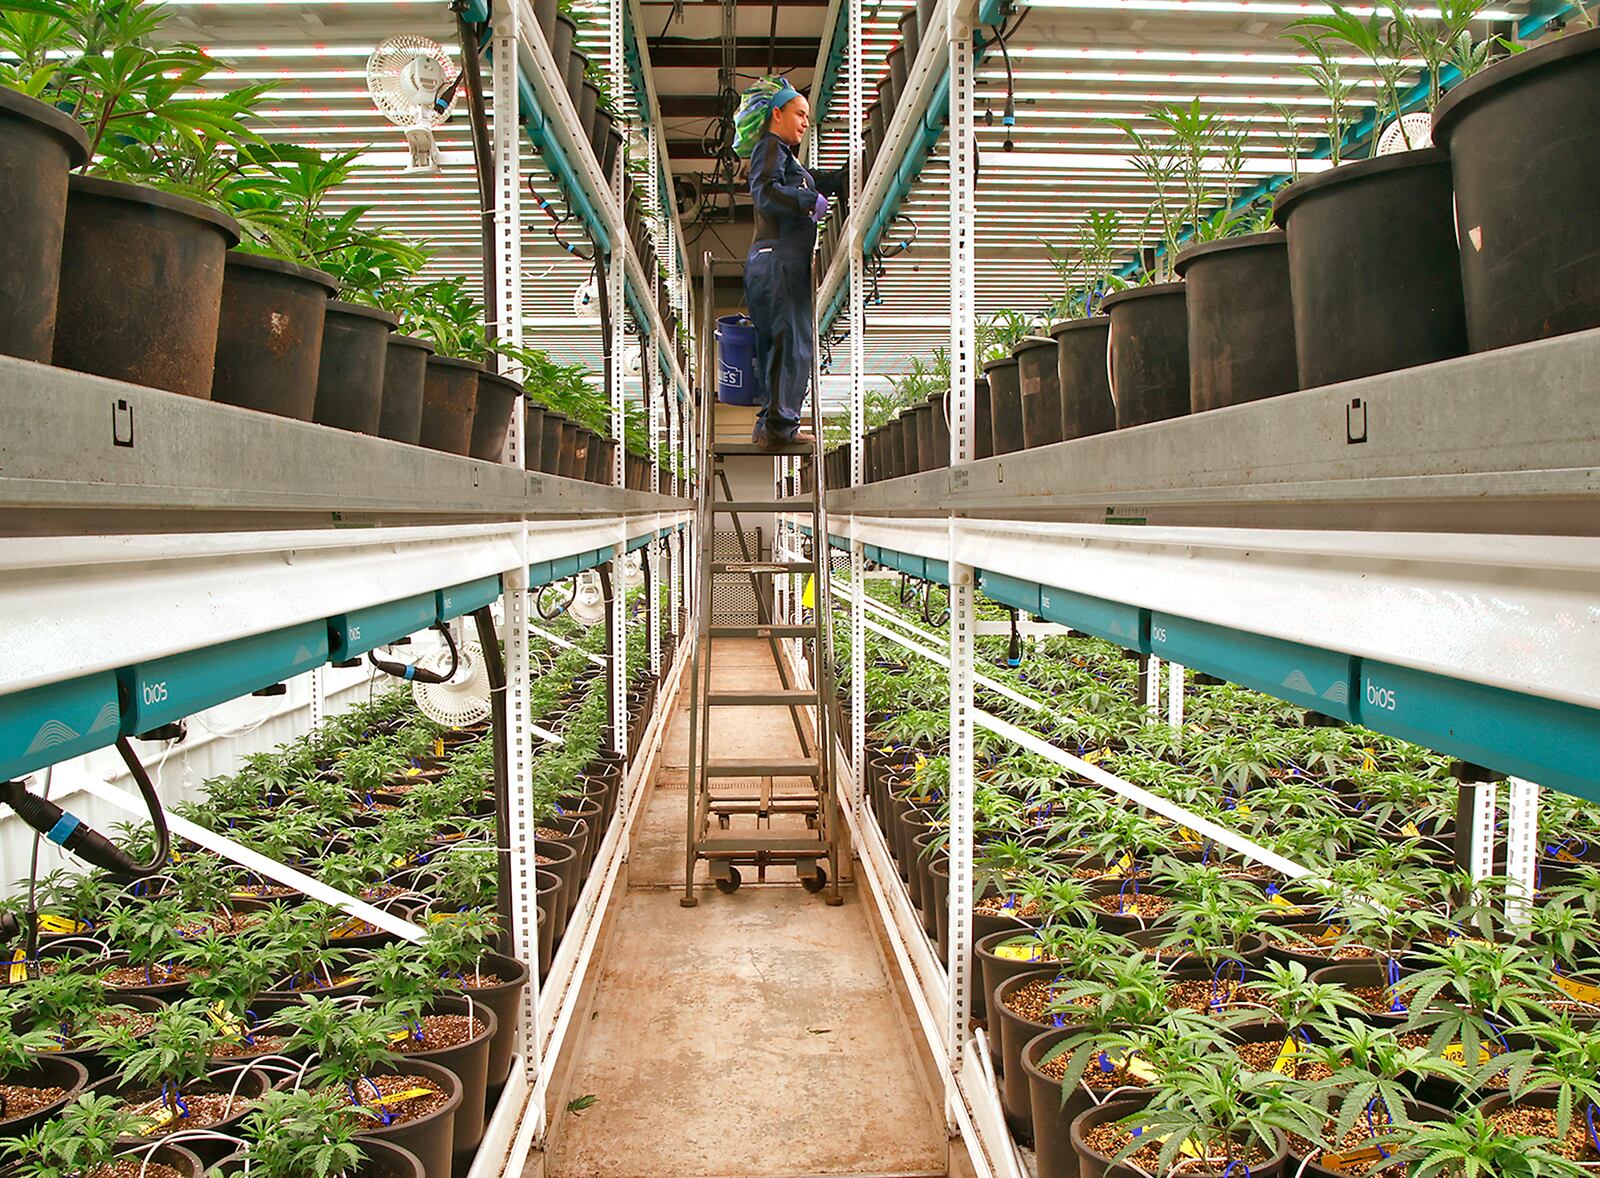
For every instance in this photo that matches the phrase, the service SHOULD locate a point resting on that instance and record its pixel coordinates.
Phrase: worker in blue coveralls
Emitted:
(789, 202)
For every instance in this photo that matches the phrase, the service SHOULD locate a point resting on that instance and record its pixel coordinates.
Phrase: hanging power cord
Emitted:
(69, 832)
(472, 38)
(412, 673)
(557, 222)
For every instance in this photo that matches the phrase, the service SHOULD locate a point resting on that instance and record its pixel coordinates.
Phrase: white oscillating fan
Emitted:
(1407, 133)
(589, 604)
(633, 569)
(412, 81)
(463, 698)
(585, 296)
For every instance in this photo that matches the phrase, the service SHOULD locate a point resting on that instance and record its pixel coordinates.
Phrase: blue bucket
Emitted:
(736, 361)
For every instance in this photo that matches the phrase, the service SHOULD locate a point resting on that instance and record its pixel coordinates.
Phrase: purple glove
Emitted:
(820, 209)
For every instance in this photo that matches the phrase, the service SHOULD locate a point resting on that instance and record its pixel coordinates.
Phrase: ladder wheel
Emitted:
(815, 883)
(730, 885)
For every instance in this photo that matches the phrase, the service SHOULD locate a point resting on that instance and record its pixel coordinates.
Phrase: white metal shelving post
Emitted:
(506, 131)
(616, 277)
(858, 418)
(962, 364)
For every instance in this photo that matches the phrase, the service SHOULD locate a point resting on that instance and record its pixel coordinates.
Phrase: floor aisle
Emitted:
(754, 1035)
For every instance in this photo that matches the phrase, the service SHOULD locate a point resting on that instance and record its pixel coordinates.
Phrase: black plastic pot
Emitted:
(933, 433)
(491, 419)
(532, 435)
(269, 339)
(550, 441)
(599, 132)
(469, 1062)
(1373, 267)
(1364, 974)
(249, 1088)
(1015, 1032)
(899, 63)
(601, 460)
(1052, 1113)
(544, 15)
(38, 146)
(577, 64)
(1241, 320)
(993, 970)
(1524, 144)
(910, 34)
(405, 373)
(1005, 405)
(1149, 350)
(1082, 368)
(910, 458)
(611, 147)
(44, 1071)
(430, 1138)
(588, 106)
(983, 427)
(355, 355)
(574, 450)
(1039, 377)
(380, 1159)
(141, 285)
(449, 402)
(505, 1000)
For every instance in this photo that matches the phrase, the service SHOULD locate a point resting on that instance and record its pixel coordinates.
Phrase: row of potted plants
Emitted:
(129, 194)
(1157, 1004)
(1373, 265)
(196, 1009)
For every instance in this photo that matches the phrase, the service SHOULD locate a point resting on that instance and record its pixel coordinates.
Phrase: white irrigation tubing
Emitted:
(259, 863)
(942, 660)
(597, 660)
(1201, 826)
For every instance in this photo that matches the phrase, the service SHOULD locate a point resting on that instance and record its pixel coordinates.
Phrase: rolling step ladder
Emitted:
(734, 802)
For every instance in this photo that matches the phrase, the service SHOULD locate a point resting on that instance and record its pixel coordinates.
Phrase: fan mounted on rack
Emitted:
(1407, 133)
(413, 82)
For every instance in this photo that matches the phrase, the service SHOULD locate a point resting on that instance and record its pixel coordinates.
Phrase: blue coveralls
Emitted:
(777, 280)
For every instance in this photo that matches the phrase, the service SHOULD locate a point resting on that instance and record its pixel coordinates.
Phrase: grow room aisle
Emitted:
(755, 1034)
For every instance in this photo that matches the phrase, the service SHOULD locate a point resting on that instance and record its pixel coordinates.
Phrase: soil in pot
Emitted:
(126, 250)
(1534, 1115)
(405, 371)
(269, 338)
(1086, 405)
(449, 400)
(1039, 376)
(220, 1101)
(1097, 1138)
(1005, 405)
(491, 421)
(1524, 144)
(1373, 267)
(1149, 348)
(31, 1095)
(1241, 320)
(1352, 1147)
(497, 983)
(350, 376)
(38, 145)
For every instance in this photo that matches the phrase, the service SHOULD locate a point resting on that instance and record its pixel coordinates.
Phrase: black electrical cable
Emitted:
(412, 673)
(70, 833)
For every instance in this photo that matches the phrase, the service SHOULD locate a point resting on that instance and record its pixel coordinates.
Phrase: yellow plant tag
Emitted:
(1369, 760)
(1566, 856)
(1017, 952)
(49, 922)
(412, 771)
(1135, 1065)
(1094, 756)
(438, 746)
(1582, 991)
(19, 966)
(1457, 1053)
(1118, 869)
(1354, 1157)
(1284, 1064)
(1276, 900)
(436, 917)
(402, 1096)
(160, 1120)
(354, 926)
(1241, 808)
(229, 1024)
(1411, 831)
(1330, 934)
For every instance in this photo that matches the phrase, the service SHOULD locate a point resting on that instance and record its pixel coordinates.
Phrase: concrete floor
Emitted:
(757, 1034)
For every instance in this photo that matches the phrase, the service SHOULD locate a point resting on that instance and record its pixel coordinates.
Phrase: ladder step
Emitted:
(735, 506)
(763, 631)
(784, 451)
(723, 848)
(763, 566)
(759, 699)
(795, 767)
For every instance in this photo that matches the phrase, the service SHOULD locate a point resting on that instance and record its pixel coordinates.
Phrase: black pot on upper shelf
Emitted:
(1149, 350)
(1039, 380)
(544, 15)
(1241, 320)
(1005, 404)
(1524, 144)
(1082, 370)
(532, 435)
(910, 34)
(899, 63)
(1373, 267)
(550, 441)
(588, 108)
(449, 401)
(126, 252)
(933, 444)
(983, 414)
(599, 132)
(405, 372)
(43, 1072)
(892, 82)
(491, 417)
(269, 338)
(351, 375)
(39, 145)
(577, 67)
